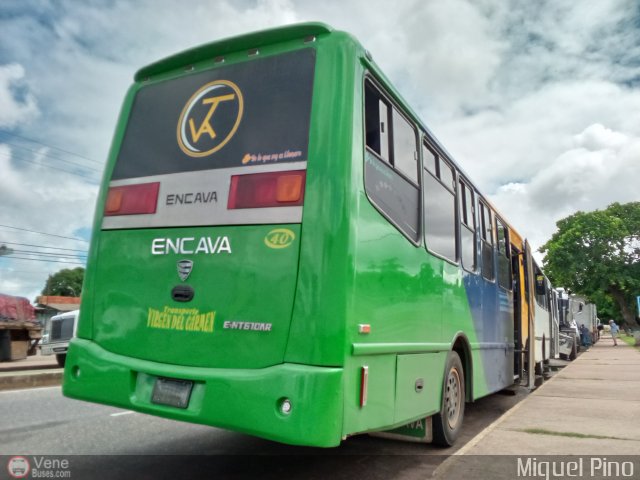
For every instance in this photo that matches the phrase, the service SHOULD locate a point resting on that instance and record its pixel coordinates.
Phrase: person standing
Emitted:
(600, 328)
(584, 332)
(614, 331)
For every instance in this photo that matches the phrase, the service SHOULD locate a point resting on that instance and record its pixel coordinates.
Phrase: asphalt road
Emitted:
(105, 442)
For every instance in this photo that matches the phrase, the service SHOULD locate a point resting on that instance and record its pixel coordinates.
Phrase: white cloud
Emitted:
(602, 168)
(17, 103)
(440, 55)
(598, 137)
(521, 138)
(31, 188)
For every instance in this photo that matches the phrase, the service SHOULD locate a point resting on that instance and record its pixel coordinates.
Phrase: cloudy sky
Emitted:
(538, 101)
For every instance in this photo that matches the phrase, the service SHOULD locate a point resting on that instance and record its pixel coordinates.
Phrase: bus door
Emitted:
(516, 271)
(529, 299)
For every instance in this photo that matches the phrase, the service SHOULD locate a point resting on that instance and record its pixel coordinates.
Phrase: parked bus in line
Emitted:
(570, 338)
(546, 321)
(281, 247)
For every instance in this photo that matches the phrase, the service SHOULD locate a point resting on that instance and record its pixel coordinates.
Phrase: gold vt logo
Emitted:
(210, 118)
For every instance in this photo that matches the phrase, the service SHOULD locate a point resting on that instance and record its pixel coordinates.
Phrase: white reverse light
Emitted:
(285, 406)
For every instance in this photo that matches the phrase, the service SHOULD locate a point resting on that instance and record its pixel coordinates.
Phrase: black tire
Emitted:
(61, 358)
(574, 352)
(448, 423)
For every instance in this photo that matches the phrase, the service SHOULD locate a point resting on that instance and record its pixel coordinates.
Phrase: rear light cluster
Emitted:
(272, 189)
(258, 190)
(132, 199)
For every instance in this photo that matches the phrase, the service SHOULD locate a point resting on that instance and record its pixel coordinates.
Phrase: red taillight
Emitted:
(271, 189)
(132, 199)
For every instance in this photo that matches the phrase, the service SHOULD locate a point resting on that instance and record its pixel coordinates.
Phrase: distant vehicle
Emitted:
(567, 346)
(546, 326)
(575, 311)
(58, 331)
(584, 313)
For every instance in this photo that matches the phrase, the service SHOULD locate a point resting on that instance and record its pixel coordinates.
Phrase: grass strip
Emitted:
(629, 340)
(542, 431)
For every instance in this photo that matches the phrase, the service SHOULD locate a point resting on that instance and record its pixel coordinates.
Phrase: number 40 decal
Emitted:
(279, 238)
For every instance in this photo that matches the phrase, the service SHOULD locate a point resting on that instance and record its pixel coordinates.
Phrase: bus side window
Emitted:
(405, 156)
(430, 161)
(467, 227)
(486, 234)
(376, 122)
(391, 167)
(540, 287)
(504, 265)
(439, 205)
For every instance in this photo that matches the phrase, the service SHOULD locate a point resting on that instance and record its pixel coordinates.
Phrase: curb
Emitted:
(33, 379)
(15, 367)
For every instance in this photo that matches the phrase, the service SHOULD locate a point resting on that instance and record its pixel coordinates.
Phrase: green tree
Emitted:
(597, 254)
(66, 282)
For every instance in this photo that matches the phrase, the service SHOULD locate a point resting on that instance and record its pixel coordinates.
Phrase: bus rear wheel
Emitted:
(448, 423)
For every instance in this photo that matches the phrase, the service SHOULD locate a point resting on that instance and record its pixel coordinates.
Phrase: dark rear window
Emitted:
(254, 113)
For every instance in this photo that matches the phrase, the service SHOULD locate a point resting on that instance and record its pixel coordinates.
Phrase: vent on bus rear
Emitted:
(271, 189)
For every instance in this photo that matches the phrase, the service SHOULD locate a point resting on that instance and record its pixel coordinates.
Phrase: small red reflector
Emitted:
(364, 328)
(270, 189)
(132, 199)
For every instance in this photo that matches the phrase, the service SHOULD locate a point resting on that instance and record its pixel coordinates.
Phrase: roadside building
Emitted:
(49, 305)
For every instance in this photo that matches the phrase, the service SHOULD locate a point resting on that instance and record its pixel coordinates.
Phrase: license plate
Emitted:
(175, 393)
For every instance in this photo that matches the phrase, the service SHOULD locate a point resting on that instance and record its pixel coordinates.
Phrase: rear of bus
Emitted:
(193, 267)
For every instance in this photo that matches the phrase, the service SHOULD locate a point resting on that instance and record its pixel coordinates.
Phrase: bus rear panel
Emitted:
(195, 256)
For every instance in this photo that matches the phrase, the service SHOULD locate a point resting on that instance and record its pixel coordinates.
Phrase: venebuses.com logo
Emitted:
(18, 467)
(39, 467)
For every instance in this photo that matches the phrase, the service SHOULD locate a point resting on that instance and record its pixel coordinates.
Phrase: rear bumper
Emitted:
(54, 348)
(236, 399)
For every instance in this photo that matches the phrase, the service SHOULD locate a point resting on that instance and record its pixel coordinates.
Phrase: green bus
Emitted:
(282, 248)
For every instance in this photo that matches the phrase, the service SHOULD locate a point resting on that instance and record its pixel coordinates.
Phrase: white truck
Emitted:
(585, 313)
(59, 330)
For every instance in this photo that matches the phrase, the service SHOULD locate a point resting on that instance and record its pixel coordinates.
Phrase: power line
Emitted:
(44, 233)
(43, 260)
(43, 246)
(33, 272)
(48, 155)
(47, 166)
(48, 254)
(6, 132)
